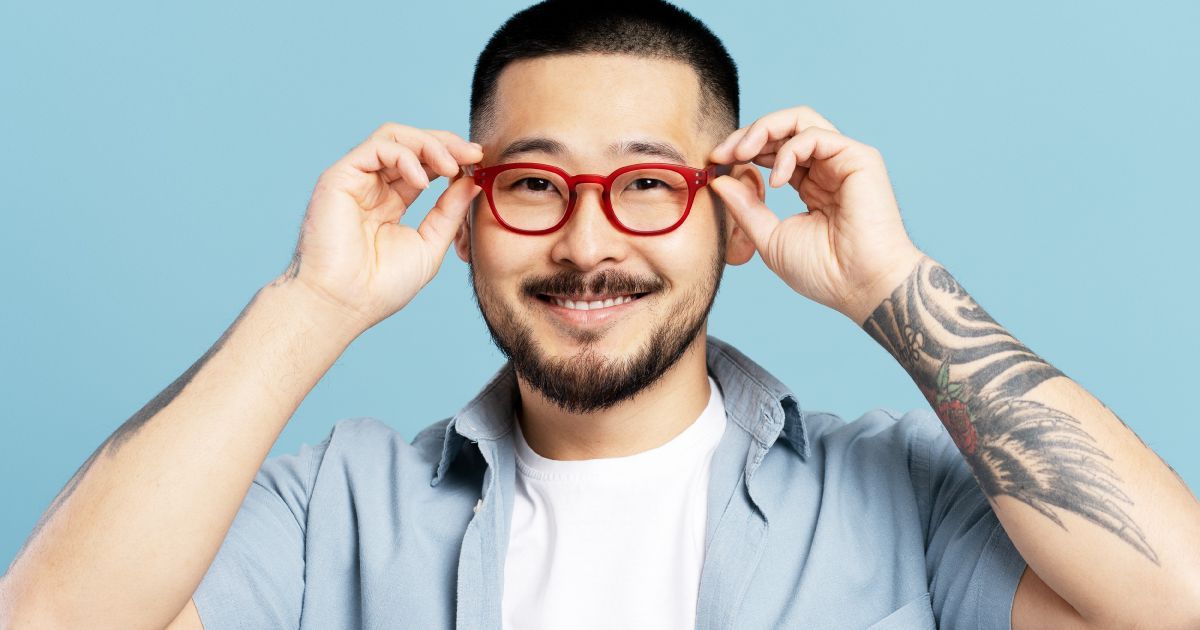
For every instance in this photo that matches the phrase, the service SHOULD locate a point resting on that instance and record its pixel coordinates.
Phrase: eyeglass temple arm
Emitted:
(722, 169)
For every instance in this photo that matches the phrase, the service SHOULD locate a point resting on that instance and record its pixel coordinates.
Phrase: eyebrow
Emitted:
(654, 148)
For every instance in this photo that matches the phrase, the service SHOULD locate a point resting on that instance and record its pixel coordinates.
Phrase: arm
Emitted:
(133, 532)
(1096, 513)
(1106, 523)
(131, 536)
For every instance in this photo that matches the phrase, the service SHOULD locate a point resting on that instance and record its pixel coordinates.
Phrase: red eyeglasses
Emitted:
(644, 199)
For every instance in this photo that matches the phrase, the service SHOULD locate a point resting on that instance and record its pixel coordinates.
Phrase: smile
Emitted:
(589, 309)
(583, 305)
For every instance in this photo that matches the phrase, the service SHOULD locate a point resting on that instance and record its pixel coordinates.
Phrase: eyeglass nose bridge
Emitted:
(605, 201)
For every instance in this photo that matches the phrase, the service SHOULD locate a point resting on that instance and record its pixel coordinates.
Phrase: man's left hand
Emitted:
(850, 249)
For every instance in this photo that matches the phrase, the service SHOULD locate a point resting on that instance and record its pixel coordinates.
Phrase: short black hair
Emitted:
(647, 28)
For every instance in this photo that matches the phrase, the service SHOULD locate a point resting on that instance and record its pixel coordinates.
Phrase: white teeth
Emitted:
(587, 306)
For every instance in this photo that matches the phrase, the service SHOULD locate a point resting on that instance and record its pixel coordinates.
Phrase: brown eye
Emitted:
(646, 183)
(540, 185)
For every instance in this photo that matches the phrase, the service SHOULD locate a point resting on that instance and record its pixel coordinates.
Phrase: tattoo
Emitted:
(1015, 446)
(1178, 477)
(131, 427)
(293, 269)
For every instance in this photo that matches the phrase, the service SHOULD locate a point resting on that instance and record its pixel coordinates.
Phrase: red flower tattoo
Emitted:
(953, 410)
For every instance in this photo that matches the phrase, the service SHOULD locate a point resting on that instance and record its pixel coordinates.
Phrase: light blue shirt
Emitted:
(812, 522)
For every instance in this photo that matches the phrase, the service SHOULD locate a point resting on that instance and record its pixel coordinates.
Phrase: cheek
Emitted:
(685, 257)
(504, 257)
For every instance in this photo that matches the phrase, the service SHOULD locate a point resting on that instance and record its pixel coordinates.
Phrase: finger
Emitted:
(755, 218)
(766, 134)
(815, 143)
(798, 177)
(441, 223)
(722, 152)
(451, 151)
(432, 150)
(463, 151)
(377, 155)
(409, 192)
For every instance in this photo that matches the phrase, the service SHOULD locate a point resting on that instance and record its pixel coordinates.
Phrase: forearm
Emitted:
(132, 533)
(1105, 522)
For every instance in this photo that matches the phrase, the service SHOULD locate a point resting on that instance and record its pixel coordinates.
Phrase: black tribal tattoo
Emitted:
(1015, 446)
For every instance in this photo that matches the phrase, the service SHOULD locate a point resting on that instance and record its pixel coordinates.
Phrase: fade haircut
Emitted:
(646, 28)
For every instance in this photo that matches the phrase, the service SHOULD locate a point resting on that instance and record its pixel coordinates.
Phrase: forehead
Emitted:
(589, 101)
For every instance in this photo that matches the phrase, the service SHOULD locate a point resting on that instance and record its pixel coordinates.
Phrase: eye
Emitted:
(647, 183)
(540, 184)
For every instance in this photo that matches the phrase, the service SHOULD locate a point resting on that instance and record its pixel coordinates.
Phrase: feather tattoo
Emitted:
(1015, 446)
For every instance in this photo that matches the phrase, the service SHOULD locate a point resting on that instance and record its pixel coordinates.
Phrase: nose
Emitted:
(588, 240)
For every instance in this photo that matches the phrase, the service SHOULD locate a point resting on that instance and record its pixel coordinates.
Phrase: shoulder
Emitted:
(881, 427)
(371, 441)
(883, 440)
(359, 450)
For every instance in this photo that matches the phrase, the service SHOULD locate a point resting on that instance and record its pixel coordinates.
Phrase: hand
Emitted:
(850, 249)
(352, 251)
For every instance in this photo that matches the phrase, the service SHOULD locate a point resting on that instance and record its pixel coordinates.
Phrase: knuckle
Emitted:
(394, 128)
(443, 134)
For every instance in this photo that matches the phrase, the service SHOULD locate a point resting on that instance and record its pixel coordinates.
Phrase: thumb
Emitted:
(441, 223)
(754, 217)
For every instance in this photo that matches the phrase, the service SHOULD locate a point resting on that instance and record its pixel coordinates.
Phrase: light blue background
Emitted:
(156, 162)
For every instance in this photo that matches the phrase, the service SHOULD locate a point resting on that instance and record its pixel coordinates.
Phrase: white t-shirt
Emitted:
(614, 542)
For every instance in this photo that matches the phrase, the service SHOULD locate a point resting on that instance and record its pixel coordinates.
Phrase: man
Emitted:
(623, 469)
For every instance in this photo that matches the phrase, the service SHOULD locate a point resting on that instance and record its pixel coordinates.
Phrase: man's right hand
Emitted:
(131, 536)
(353, 252)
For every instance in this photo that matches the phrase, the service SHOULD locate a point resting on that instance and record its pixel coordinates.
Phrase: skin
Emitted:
(586, 102)
(1109, 538)
(1106, 526)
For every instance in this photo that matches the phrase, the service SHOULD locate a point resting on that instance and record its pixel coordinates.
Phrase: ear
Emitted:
(738, 247)
(462, 239)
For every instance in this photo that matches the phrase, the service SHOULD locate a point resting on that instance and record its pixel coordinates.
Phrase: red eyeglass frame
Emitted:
(697, 178)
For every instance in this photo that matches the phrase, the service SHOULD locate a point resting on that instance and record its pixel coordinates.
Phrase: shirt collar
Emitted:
(754, 400)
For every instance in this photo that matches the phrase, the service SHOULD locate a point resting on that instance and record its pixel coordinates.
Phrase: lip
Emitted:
(590, 317)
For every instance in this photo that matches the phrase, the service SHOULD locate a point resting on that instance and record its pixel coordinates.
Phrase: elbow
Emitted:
(20, 610)
(1178, 611)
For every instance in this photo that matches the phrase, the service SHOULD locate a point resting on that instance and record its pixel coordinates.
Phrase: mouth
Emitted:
(589, 302)
(588, 310)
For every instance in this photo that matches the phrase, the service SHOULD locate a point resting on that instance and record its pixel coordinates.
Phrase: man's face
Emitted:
(586, 360)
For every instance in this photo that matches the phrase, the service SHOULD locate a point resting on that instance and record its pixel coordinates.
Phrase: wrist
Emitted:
(318, 309)
(870, 297)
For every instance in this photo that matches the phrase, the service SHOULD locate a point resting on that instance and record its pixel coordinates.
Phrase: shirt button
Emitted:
(477, 504)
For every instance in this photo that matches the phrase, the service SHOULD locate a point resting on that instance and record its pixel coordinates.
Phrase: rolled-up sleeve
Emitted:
(257, 577)
(972, 565)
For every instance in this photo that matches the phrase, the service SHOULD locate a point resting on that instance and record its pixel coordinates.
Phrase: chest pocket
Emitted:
(914, 615)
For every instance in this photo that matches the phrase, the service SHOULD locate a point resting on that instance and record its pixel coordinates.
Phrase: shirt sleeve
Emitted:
(972, 565)
(257, 577)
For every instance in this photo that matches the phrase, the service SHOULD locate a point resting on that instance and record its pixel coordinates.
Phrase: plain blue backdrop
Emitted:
(156, 162)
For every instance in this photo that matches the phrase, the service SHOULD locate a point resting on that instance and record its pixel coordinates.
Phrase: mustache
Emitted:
(607, 282)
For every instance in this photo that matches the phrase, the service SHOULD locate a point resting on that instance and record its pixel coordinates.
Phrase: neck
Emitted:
(648, 420)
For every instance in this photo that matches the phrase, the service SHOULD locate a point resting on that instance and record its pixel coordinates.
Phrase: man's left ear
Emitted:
(738, 247)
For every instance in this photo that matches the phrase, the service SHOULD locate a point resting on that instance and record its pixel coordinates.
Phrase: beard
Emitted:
(588, 381)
